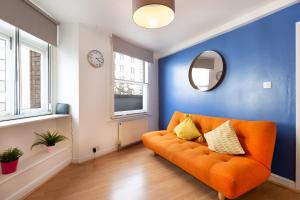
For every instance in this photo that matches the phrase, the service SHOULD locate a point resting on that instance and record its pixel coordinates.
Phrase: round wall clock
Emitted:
(95, 58)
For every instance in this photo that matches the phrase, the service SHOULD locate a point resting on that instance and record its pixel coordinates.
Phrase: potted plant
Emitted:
(9, 160)
(49, 139)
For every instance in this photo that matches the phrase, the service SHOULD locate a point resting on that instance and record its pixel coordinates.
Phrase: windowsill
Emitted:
(16, 122)
(130, 116)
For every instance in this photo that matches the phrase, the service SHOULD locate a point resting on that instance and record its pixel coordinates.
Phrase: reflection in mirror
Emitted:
(207, 71)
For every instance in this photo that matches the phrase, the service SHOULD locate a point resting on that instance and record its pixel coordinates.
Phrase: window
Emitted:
(121, 68)
(24, 74)
(130, 85)
(132, 70)
(3, 61)
(201, 78)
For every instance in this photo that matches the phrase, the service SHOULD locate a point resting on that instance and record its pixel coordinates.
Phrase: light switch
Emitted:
(267, 85)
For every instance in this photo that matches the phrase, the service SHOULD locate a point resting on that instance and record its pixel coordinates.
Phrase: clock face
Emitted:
(95, 58)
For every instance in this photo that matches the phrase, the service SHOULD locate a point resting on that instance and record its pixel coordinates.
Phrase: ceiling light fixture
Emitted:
(153, 13)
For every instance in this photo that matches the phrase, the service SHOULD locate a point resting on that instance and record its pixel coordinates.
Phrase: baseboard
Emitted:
(279, 180)
(129, 145)
(102, 152)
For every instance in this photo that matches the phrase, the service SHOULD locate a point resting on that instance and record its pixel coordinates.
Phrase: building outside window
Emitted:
(130, 85)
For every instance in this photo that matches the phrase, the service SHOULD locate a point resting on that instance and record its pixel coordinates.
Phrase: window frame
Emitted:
(144, 84)
(16, 111)
(8, 64)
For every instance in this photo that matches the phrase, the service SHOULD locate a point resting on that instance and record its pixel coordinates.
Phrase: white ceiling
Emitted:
(193, 17)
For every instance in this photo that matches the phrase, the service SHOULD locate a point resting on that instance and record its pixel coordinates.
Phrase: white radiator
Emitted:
(131, 131)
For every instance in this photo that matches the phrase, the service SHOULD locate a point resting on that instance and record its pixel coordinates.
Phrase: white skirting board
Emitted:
(32, 174)
(102, 152)
(283, 181)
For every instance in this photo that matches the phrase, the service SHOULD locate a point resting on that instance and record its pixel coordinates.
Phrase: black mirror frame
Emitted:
(221, 78)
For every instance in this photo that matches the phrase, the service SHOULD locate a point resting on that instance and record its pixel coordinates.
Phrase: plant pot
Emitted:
(9, 167)
(50, 149)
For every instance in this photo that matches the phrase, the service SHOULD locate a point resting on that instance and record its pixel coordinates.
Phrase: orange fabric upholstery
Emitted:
(230, 175)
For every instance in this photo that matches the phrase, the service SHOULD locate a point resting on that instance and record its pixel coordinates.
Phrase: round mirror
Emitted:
(207, 71)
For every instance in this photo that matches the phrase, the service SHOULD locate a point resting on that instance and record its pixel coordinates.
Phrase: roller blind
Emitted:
(206, 63)
(124, 47)
(27, 17)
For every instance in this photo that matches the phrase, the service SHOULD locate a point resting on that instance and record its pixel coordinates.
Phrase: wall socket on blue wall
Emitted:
(267, 85)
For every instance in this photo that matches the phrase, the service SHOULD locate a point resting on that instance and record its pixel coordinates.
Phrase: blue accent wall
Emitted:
(261, 51)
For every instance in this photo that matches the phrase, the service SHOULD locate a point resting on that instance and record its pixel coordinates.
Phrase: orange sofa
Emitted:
(230, 175)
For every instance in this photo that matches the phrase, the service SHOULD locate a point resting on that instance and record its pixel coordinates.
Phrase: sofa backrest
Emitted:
(256, 137)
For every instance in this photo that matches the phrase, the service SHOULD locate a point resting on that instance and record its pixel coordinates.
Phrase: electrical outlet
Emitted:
(96, 149)
(267, 85)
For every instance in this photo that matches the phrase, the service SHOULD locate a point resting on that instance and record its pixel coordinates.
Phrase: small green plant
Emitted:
(48, 138)
(10, 154)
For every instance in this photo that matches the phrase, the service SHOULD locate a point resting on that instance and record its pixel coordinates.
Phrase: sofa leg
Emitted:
(155, 154)
(221, 196)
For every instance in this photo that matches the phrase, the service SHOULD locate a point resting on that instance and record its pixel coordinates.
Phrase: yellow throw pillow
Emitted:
(187, 130)
(223, 139)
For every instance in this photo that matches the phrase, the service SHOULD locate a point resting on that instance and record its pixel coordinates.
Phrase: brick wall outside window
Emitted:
(35, 79)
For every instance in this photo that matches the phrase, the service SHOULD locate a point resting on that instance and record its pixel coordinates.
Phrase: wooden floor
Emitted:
(136, 174)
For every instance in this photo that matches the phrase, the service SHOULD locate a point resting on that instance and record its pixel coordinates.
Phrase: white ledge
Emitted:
(27, 164)
(15, 122)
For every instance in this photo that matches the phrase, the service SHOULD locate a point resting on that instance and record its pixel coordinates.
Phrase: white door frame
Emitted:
(297, 106)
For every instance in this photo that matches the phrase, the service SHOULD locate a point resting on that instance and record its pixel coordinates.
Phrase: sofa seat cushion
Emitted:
(231, 175)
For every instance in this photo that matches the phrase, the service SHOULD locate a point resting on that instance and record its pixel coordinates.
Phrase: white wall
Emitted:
(66, 73)
(96, 126)
(95, 91)
(91, 107)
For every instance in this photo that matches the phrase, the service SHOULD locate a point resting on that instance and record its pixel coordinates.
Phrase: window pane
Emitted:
(6, 69)
(2, 43)
(201, 77)
(2, 64)
(128, 96)
(34, 74)
(2, 87)
(130, 84)
(128, 68)
(2, 107)
(2, 96)
(147, 72)
(2, 53)
(2, 75)
(31, 78)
